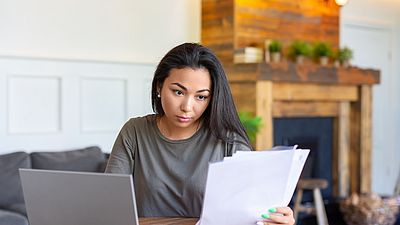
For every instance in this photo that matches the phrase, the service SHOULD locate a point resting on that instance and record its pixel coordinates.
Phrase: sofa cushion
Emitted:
(87, 159)
(18, 208)
(10, 184)
(11, 218)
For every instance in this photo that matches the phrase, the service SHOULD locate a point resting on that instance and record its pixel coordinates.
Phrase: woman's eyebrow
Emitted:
(181, 86)
(202, 90)
(184, 88)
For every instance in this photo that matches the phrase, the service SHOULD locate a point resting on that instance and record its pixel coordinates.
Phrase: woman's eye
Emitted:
(178, 92)
(202, 97)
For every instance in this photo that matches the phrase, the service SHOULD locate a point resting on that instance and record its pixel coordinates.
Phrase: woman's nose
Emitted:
(186, 105)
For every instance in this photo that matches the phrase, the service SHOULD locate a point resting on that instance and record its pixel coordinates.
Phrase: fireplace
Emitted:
(289, 91)
(316, 134)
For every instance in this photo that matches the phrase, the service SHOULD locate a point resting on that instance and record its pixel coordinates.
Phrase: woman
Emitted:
(195, 122)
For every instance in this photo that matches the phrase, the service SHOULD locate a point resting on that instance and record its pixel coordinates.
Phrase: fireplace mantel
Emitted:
(287, 71)
(289, 90)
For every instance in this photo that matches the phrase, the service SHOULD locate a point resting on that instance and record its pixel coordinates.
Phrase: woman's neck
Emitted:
(172, 132)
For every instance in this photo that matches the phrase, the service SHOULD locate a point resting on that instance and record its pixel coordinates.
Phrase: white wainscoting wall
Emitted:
(54, 105)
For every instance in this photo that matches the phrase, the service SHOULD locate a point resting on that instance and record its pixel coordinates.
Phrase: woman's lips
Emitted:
(183, 119)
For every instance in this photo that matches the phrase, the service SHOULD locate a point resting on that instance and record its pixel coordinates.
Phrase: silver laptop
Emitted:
(78, 198)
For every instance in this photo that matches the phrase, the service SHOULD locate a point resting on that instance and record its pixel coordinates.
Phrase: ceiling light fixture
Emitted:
(341, 2)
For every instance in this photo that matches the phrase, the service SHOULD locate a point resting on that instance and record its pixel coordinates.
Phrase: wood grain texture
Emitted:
(231, 24)
(217, 27)
(244, 95)
(355, 141)
(365, 138)
(344, 149)
(304, 109)
(264, 101)
(307, 73)
(311, 20)
(315, 92)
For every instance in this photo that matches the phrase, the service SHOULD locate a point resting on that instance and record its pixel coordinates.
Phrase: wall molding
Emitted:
(133, 100)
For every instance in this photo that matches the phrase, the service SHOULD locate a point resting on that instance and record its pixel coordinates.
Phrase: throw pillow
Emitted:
(87, 160)
(10, 184)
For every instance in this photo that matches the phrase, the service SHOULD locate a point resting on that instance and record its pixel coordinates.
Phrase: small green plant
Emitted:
(322, 49)
(299, 48)
(344, 54)
(335, 57)
(275, 46)
(252, 124)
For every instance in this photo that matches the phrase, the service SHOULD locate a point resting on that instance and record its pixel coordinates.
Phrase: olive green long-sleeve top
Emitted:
(169, 175)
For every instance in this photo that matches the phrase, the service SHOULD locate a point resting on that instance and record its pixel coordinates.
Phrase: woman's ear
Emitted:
(159, 87)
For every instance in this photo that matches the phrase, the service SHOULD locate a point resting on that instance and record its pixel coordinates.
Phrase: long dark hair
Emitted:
(221, 116)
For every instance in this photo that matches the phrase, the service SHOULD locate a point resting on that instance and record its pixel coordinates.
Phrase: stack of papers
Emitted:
(244, 186)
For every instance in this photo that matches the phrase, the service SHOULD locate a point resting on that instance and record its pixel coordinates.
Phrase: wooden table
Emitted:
(168, 221)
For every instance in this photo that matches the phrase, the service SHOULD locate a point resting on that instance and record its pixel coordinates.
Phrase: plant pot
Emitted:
(323, 60)
(300, 59)
(336, 63)
(275, 57)
(346, 63)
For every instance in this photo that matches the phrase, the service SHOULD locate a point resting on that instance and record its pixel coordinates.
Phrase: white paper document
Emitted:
(244, 186)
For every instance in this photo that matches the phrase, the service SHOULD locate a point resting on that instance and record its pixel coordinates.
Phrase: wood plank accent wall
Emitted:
(231, 24)
(217, 27)
(285, 20)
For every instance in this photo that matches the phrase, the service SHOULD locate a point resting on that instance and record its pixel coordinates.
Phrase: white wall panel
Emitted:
(33, 104)
(85, 104)
(103, 104)
(375, 45)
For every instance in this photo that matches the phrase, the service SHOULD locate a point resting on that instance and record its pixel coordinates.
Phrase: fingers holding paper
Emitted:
(279, 215)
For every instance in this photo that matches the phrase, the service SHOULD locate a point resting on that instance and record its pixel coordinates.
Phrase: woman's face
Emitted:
(185, 95)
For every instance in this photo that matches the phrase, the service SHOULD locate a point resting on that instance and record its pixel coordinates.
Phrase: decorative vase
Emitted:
(275, 57)
(336, 63)
(300, 59)
(323, 60)
(346, 63)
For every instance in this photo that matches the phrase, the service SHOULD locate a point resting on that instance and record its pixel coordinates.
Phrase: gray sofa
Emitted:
(12, 207)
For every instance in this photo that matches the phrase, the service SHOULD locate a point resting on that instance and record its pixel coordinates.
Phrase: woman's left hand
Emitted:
(280, 215)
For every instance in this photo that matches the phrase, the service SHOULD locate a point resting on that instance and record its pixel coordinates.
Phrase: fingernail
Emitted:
(260, 223)
(272, 210)
(265, 216)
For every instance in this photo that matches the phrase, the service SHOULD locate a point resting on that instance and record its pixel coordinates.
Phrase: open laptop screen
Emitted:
(78, 198)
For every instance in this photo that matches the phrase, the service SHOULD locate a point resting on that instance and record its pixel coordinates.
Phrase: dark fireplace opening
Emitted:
(313, 133)
(316, 134)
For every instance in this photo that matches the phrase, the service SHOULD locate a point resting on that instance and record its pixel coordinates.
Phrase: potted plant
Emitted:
(322, 51)
(252, 124)
(345, 54)
(275, 48)
(335, 57)
(299, 50)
